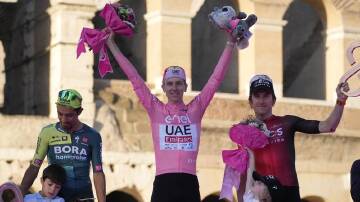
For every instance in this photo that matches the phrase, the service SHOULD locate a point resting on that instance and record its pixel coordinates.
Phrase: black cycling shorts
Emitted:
(292, 194)
(84, 194)
(176, 187)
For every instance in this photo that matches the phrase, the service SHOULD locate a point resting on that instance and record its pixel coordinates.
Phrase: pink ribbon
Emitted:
(96, 39)
(237, 161)
(13, 187)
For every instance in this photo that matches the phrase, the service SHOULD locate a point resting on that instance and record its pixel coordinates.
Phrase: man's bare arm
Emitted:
(29, 178)
(100, 186)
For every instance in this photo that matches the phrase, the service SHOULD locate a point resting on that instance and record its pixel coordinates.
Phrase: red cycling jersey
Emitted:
(278, 158)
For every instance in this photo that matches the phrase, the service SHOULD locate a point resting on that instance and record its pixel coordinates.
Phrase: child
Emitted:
(264, 189)
(53, 178)
(261, 188)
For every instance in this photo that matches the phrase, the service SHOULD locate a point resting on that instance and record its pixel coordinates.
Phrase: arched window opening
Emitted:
(312, 199)
(134, 48)
(207, 43)
(303, 52)
(25, 36)
(117, 196)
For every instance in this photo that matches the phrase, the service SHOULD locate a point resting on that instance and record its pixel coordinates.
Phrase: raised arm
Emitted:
(247, 180)
(250, 170)
(332, 122)
(140, 88)
(218, 74)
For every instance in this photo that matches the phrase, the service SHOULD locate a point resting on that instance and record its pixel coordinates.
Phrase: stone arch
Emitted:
(304, 50)
(207, 43)
(312, 199)
(25, 35)
(134, 48)
(124, 195)
(213, 197)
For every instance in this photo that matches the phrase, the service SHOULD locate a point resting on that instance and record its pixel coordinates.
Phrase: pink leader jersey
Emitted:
(176, 127)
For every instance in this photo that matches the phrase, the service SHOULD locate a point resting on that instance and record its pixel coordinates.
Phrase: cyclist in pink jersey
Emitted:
(175, 125)
(278, 158)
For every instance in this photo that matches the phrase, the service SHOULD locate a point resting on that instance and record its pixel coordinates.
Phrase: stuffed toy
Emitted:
(237, 25)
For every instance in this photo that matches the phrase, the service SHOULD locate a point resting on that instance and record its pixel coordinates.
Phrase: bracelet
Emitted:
(230, 43)
(340, 102)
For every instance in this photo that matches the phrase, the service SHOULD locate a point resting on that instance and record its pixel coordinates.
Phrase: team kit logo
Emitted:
(75, 151)
(276, 135)
(178, 133)
(70, 152)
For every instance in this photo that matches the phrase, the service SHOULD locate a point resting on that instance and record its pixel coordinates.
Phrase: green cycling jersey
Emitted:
(73, 151)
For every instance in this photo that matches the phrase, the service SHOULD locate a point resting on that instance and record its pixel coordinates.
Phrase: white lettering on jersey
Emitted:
(178, 137)
(177, 119)
(277, 136)
(279, 132)
(69, 149)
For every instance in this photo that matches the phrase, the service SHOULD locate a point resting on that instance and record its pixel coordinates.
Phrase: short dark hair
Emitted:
(276, 190)
(55, 173)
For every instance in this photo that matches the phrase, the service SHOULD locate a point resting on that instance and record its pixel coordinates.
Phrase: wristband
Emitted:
(341, 102)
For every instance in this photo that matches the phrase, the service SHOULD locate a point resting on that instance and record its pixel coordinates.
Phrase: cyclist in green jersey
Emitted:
(73, 145)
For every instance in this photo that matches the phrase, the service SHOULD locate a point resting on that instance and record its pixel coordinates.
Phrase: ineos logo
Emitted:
(277, 133)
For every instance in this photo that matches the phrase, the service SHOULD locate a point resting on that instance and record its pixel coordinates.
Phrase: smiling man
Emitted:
(72, 145)
(175, 126)
(278, 158)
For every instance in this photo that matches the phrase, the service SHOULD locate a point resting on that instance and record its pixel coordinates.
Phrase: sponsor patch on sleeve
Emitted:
(37, 162)
(98, 168)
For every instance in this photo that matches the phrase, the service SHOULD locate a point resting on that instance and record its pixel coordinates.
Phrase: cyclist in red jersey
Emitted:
(278, 158)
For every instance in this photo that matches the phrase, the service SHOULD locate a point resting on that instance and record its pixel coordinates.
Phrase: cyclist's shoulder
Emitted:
(51, 125)
(90, 130)
(292, 118)
(90, 134)
(48, 128)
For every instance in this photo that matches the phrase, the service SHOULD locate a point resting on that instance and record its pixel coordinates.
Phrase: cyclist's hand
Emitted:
(340, 95)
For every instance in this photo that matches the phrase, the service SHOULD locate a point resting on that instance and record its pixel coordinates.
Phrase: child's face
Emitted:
(49, 188)
(261, 191)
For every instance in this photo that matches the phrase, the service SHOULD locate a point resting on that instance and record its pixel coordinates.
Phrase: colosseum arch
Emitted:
(304, 50)
(133, 47)
(312, 199)
(26, 63)
(207, 43)
(124, 195)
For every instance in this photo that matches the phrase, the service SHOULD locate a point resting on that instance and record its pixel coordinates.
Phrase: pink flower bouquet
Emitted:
(250, 134)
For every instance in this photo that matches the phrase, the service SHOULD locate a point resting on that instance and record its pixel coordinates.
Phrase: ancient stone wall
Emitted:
(39, 40)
